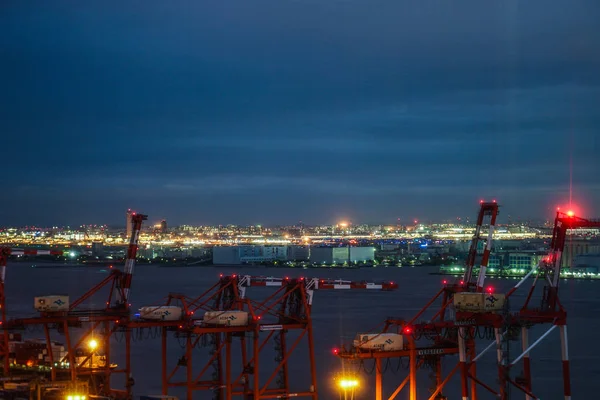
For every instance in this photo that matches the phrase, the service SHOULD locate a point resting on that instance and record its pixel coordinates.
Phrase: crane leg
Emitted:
(564, 345)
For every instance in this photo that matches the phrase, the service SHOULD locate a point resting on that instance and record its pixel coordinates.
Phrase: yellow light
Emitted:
(570, 213)
(348, 383)
(92, 344)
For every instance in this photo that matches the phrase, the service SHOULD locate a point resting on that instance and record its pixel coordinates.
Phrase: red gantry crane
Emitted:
(549, 311)
(288, 309)
(224, 313)
(93, 328)
(479, 312)
(507, 325)
(425, 343)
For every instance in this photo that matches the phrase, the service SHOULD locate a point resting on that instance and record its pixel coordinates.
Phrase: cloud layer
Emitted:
(283, 111)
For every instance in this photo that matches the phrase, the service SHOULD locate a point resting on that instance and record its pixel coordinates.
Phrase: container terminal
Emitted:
(81, 366)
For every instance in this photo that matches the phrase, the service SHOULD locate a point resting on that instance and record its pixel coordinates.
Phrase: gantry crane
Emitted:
(292, 311)
(286, 310)
(98, 326)
(549, 311)
(5, 252)
(428, 342)
(480, 310)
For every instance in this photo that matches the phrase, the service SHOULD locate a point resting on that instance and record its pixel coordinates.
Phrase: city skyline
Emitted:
(248, 114)
(156, 223)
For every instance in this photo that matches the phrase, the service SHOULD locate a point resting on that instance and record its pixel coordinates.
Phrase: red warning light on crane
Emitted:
(570, 211)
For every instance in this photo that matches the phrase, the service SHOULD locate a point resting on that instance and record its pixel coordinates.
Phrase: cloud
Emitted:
(322, 106)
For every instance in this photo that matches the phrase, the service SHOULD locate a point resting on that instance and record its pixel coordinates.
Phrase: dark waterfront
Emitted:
(337, 316)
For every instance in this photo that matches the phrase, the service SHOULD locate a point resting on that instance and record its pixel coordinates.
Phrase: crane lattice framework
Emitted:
(271, 320)
(82, 326)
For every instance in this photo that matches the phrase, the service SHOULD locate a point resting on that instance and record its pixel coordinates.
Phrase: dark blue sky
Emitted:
(278, 111)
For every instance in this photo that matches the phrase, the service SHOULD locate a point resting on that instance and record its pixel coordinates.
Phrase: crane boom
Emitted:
(487, 209)
(311, 284)
(35, 252)
(136, 221)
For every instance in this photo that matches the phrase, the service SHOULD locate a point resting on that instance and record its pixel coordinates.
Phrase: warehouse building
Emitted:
(256, 254)
(341, 255)
(329, 255)
(233, 255)
(524, 261)
(361, 254)
(226, 255)
(298, 253)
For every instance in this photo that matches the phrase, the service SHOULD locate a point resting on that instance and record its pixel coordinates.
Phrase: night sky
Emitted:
(267, 112)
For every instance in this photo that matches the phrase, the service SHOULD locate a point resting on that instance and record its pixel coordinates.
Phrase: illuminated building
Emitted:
(361, 254)
(248, 254)
(523, 261)
(578, 246)
(329, 255)
(587, 262)
(98, 249)
(341, 255)
(298, 253)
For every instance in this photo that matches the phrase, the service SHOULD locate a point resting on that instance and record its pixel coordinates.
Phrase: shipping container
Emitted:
(16, 386)
(158, 397)
(163, 313)
(379, 341)
(229, 318)
(51, 303)
(469, 302)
